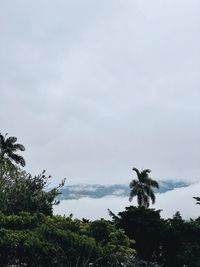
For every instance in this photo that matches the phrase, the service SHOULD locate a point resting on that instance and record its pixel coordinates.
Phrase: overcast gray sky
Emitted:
(179, 199)
(93, 88)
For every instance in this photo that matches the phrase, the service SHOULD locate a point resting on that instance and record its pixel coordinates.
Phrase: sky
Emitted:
(93, 88)
(179, 199)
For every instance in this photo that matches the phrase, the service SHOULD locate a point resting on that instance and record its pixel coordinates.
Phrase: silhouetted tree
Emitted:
(143, 225)
(181, 242)
(9, 149)
(142, 188)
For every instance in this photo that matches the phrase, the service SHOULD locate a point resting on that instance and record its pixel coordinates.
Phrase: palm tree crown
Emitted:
(8, 149)
(143, 188)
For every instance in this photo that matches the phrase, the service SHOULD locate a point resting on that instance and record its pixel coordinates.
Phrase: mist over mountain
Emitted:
(78, 191)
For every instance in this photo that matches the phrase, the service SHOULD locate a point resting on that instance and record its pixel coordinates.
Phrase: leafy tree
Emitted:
(24, 192)
(20, 191)
(143, 188)
(37, 240)
(144, 226)
(117, 246)
(31, 236)
(170, 243)
(9, 149)
(181, 242)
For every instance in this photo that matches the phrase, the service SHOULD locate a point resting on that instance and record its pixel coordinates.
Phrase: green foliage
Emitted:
(20, 191)
(38, 240)
(143, 188)
(181, 242)
(145, 227)
(30, 236)
(170, 243)
(117, 246)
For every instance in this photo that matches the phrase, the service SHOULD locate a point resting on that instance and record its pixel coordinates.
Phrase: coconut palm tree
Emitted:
(8, 149)
(142, 188)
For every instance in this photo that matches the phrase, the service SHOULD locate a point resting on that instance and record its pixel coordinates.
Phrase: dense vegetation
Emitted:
(30, 235)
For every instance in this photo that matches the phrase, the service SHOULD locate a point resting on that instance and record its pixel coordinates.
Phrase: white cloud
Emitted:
(180, 199)
(118, 192)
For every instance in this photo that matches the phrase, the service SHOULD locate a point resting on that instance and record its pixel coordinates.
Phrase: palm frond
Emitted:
(2, 139)
(137, 172)
(18, 147)
(149, 181)
(152, 196)
(133, 183)
(18, 159)
(147, 189)
(144, 175)
(133, 193)
(197, 199)
(146, 171)
(11, 139)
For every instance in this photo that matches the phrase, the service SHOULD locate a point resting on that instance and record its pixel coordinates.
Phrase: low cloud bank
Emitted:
(180, 199)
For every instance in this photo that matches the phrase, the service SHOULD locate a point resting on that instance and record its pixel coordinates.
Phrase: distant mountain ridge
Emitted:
(78, 191)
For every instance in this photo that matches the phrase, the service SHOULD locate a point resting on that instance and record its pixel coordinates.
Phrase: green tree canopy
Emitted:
(34, 240)
(145, 227)
(24, 192)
